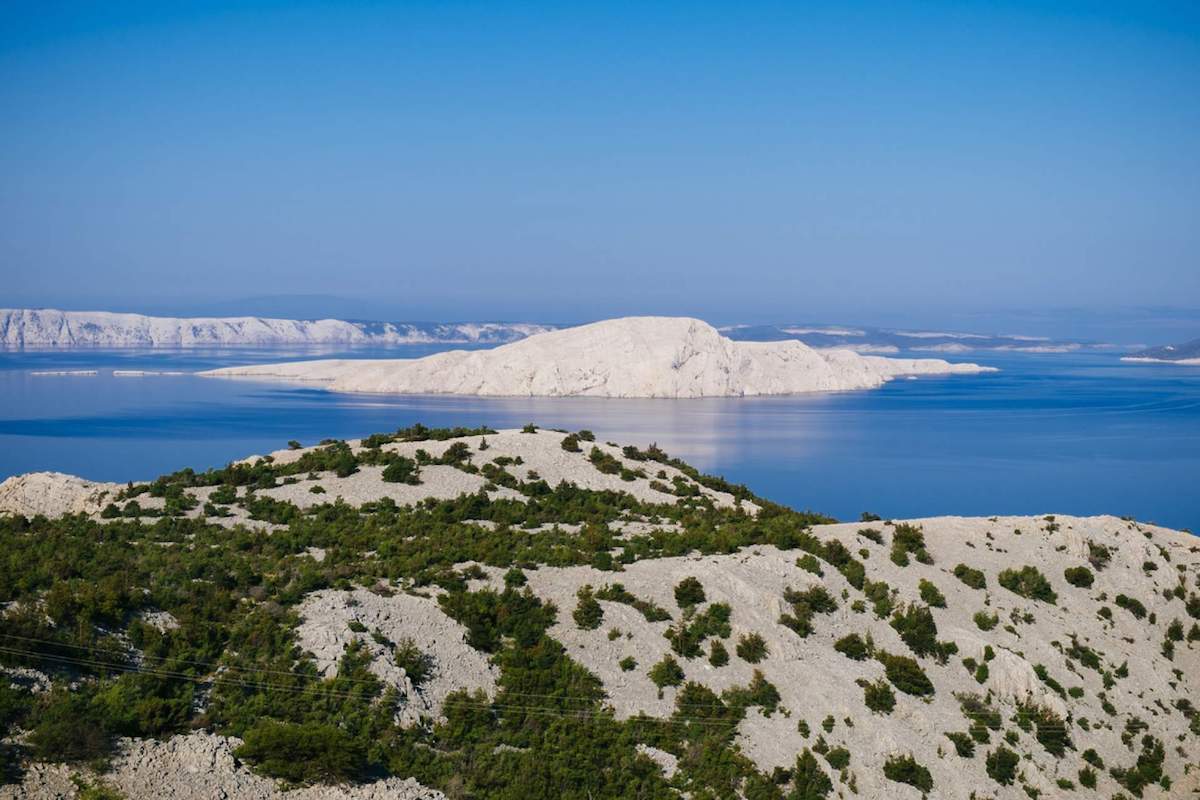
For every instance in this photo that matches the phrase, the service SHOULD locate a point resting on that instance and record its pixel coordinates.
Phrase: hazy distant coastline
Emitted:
(69, 329)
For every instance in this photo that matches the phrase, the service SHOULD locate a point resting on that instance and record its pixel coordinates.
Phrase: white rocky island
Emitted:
(657, 357)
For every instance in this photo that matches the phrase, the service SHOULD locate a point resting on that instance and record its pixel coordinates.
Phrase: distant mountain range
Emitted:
(66, 329)
(53, 328)
(1186, 353)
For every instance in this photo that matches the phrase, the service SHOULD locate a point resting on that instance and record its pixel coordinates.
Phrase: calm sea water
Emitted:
(1070, 434)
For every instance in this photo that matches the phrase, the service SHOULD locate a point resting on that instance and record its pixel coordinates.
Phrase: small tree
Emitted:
(1002, 765)
(689, 592)
(666, 673)
(809, 781)
(402, 470)
(588, 613)
(752, 648)
(905, 769)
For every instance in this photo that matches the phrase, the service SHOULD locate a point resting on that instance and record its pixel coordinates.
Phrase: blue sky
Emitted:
(738, 161)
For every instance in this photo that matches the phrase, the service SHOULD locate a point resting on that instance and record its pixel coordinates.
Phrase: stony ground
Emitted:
(817, 683)
(1087, 658)
(199, 766)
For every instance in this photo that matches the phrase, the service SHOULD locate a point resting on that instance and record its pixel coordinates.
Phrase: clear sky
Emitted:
(752, 161)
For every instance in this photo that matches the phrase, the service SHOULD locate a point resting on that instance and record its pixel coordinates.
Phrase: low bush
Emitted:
(906, 674)
(1028, 582)
(1002, 765)
(752, 648)
(1081, 577)
(906, 769)
(931, 595)
(304, 753)
(853, 647)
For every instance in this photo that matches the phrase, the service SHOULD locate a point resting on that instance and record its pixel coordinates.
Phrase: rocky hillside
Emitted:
(25, 327)
(671, 357)
(478, 613)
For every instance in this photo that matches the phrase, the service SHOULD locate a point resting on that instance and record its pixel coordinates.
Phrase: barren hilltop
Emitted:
(667, 357)
(533, 613)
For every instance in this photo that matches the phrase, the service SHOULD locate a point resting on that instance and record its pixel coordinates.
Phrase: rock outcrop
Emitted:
(53, 494)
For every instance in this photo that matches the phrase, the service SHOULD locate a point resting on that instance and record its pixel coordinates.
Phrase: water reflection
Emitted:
(1058, 434)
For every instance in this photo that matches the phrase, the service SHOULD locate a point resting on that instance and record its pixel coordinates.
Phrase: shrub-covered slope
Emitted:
(533, 613)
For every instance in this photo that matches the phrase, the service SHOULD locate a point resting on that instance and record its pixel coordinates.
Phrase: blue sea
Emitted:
(1055, 433)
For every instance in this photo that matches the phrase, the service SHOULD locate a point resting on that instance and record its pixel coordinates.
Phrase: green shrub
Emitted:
(687, 636)
(718, 656)
(809, 781)
(666, 672)
(852, 646)
(1132, 605)
(871, 534)
(814, 600)
(879, 697)
(402, 470)
(917, 628)
(752, 648)
(588, 613)
(1081, 577)
(810, 563)
(964, 745)
(570, 443)
(908, 539)
(986, 621)
(838, 758)
(310, 753)
(1087, 778)
(417, 665)
(931, 595)
(905, 769)
(905, 674)
(1098, 555)
(604, 462)
(628, 664)
(689, 592)
(1028, 582)
(69, 728)
(1002, 765)
(1146, 771)
(617, 593)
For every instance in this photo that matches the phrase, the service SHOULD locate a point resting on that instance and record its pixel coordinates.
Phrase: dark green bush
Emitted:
(304, 753)
(964, 745)
(1002, 765)
(905, 674)
(689, 592)
(971, 577)
(752, 648)
(917, 628)
(1028, 582)
(1079, 576)
(879, 697)
(909, 540)
(588, 613)
(666, 673)
(905, 769)
(931, 595)
(852, 646)
(1132, 605)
